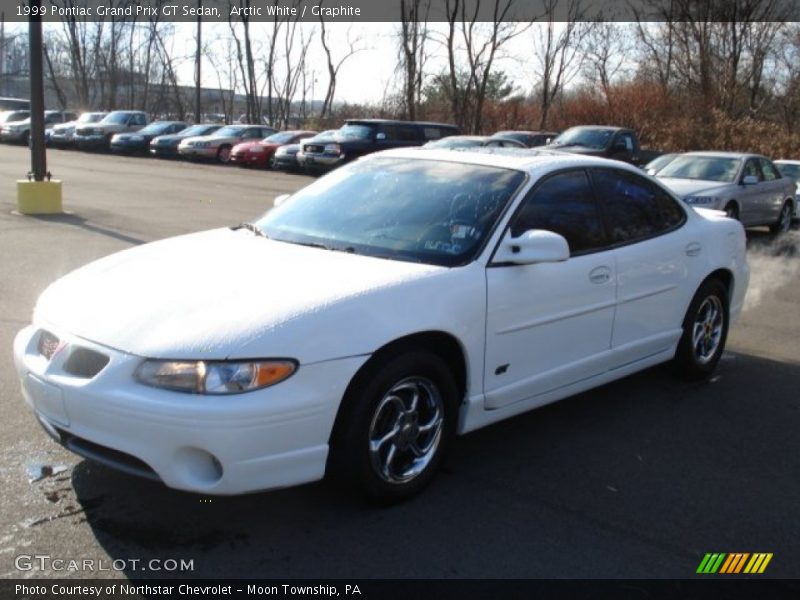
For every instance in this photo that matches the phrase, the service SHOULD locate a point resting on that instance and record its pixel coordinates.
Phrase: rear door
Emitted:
(775, 189)
(654, 257)
(549, 324)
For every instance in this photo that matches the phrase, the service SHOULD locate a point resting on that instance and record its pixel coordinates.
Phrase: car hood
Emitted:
(692, 187)
(222, 294)
(65, 126)
(579, 149)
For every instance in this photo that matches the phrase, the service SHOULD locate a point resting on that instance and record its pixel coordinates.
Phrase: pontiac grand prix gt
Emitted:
(354, 329)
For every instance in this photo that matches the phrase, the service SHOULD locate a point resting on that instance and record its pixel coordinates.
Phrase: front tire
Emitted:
(395, 425)
(784, 222)
(224, 154)
(732, 211)
(705, 330)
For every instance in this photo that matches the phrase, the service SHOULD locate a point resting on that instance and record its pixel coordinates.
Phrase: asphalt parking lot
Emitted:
(639, 478)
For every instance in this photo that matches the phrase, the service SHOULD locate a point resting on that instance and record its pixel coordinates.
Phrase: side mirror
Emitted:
(533, 246)
(380, 136)
(280, 200)
(749, 180)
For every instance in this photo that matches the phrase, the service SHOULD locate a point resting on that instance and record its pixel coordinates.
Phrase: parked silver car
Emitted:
(61, 134)
(791, 169)
(748, 187)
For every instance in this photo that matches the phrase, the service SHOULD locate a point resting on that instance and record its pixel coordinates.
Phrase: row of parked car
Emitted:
(748, 187)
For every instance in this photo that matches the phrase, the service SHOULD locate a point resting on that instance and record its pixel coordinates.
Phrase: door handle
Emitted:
(693, 249)
(600, 275)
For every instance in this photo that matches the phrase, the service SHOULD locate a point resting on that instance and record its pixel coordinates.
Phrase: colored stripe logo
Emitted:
(734, 563)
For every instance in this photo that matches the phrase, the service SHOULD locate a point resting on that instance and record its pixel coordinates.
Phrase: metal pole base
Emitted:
(39, 197)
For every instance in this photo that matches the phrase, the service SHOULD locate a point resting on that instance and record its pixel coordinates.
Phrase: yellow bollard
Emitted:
(38, 197)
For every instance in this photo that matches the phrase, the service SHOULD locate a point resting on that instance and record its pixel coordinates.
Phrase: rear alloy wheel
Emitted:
(271, 162)
(705, 329)
(224, 154)
(394, 426)
(784, 222)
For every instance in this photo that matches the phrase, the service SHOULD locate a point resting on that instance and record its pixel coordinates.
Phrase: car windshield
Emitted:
(117, 118)
(229, 131)
(90, 117)
(199, 130)
(591, 138)
(450, 142)
(280, 138)
(707, 168)
(789, 170)
(155, 128)
(352, 130)
(659, 163)
(418, 210)
(16, 115)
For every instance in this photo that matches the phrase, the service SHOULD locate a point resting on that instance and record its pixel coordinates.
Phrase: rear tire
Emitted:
(784, 222)
(394, 426)
(705, 330)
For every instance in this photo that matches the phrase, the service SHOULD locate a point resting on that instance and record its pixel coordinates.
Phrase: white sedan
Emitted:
(370, 317)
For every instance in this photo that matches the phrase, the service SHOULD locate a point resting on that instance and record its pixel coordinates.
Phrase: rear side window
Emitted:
(634, 208)
(564, 204)
(406, 134)
(769, 170)
(751, 168)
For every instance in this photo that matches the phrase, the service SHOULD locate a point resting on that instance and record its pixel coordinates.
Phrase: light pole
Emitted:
(34, 194)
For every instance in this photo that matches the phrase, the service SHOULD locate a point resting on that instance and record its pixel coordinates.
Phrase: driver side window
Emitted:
(564, 204)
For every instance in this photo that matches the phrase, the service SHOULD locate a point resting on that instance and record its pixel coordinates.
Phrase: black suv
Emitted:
(358, 137)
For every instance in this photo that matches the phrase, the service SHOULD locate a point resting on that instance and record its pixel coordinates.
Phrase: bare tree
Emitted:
(605, 49)
(413, 52)
(557, 52)
(333, 64)
(481, 43)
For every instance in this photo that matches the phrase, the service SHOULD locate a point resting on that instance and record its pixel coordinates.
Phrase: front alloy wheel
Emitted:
(224, 154)
(406, 429)
(394, 426)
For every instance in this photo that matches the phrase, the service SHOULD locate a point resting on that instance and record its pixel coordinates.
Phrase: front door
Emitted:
(549, 324)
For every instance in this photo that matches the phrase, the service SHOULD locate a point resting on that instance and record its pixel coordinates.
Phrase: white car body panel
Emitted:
(559, 327)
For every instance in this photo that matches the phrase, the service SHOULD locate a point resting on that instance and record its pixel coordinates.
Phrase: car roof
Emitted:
(395, 122)
(719, 154)
(786, 161)
(527, 160)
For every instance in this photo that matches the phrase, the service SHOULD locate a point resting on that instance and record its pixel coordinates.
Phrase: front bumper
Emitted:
(274, 437)
(89, 141)
(163, 150)
(249, 159)
(195, 152)
(12, 136)
(319, 162)
(129, 147)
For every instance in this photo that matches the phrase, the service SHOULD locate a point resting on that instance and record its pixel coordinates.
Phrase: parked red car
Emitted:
(262, 152)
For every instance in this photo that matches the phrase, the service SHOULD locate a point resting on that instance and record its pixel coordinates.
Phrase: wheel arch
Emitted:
(441, 343)
(725, 277)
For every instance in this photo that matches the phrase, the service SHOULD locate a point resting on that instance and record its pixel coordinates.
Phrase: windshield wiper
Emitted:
(251, 227)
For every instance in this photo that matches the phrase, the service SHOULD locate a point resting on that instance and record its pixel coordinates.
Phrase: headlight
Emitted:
(700, 200)
(332, 149)
(214, 377)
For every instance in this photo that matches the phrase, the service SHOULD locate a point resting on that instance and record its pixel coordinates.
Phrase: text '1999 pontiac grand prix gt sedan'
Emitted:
(354, 329)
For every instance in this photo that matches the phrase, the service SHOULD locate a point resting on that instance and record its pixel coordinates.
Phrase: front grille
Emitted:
(85, 363)
(314, 149)
(48, 344)
(107, 456)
